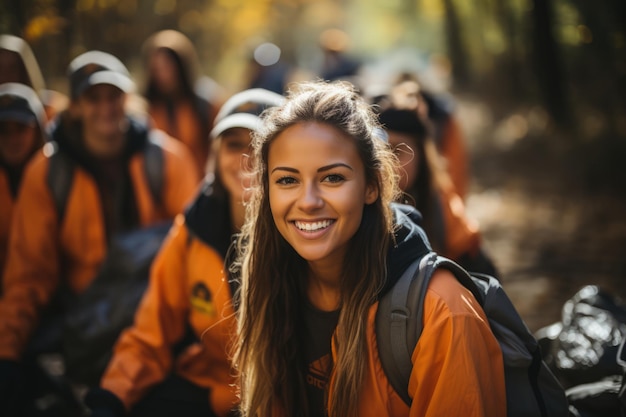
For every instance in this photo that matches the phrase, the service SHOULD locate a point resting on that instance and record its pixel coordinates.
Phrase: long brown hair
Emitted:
(273, 275)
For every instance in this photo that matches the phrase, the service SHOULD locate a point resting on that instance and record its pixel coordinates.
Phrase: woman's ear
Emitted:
(371, 193)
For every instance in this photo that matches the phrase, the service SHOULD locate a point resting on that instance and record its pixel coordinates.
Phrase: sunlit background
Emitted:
(539, 85)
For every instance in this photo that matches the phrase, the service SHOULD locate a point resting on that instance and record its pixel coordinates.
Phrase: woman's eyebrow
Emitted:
(295, 171)
(332, 166)
(322, 169)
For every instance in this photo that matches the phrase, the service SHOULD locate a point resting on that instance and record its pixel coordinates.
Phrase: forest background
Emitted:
(539, 87)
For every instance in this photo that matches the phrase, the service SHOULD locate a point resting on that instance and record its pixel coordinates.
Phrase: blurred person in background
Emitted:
(337, 63)
(97, 162)
(174, 360)
(22, 130)
(438, 111)
(19, 65)
(266, 69)
(180, 101)
(427, 185)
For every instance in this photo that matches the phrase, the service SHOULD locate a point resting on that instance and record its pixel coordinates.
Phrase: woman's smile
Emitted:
(313, 229)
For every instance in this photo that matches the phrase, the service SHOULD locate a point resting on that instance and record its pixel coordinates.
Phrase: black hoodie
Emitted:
(208, 219)
(410, 243)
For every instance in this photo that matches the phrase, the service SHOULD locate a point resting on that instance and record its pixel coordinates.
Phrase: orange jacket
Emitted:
(457, 362)
(6, 210)
(461, 233)
(187, 289)
(43, 253)
(452, 147)
(188, 128)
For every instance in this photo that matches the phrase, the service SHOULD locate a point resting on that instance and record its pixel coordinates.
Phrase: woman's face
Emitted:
(17, 142)
(317, 190)
(233, 162)
(101, 110)
(406, 150)
(164, 72)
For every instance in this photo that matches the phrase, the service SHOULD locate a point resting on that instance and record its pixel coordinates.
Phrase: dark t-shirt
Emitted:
(117, 194)
(319, 327)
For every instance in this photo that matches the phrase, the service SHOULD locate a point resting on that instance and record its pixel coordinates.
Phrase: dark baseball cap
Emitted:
(20, 103)
(244, 109)
(97, 67)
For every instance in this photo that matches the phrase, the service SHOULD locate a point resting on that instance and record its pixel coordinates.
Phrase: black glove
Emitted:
(104, 403)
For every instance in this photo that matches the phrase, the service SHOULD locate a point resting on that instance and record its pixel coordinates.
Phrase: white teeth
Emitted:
(314, 226)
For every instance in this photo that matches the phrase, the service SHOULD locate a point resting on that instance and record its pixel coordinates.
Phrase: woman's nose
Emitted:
(310, 198)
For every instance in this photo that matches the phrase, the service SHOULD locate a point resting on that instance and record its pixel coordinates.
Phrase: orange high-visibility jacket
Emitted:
(43, 252)
(188, 291)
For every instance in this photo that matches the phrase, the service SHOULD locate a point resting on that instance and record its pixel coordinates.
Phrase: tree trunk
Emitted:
(456, 49)
(547, 64)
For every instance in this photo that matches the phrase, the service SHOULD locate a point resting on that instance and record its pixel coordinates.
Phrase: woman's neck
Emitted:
(324, 286)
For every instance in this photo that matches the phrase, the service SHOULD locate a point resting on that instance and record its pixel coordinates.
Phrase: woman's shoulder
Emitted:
(448, 296)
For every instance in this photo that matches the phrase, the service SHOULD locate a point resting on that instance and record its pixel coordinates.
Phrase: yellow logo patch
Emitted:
(202, 300)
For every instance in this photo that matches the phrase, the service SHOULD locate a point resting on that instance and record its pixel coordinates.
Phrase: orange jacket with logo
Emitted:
(187, 292)
(457, 362)
(43, 253)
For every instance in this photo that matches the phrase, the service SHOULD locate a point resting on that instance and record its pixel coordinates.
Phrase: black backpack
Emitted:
(531, 388)
(95, 318)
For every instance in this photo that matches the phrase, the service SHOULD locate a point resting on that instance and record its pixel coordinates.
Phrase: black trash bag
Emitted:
(98, 315)
(596, 399)
(621, 359)
(593, 327)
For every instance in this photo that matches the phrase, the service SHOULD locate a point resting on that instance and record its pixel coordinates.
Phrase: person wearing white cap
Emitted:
(22, 121)
(18, 64)
(102, 173)
(174, 359)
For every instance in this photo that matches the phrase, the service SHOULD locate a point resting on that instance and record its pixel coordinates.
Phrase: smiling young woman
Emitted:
(317, 192)
(321, 243)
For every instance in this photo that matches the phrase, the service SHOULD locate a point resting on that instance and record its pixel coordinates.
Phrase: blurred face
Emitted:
(406, 150)
(17, 142)
(317, 190)
(233, 162)
(101, 109)
(164, 72)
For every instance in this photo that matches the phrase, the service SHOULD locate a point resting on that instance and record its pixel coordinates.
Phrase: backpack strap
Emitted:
(60, 177)
(395, 319)
(399, 319)
(154, 164)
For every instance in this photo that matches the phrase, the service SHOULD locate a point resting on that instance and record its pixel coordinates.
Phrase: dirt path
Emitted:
(548, 232)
